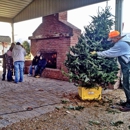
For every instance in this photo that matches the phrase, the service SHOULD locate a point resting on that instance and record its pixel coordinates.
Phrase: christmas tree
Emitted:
(84, 69)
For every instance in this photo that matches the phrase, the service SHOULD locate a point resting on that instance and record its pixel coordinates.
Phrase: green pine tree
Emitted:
(26, 46)
(85, 69)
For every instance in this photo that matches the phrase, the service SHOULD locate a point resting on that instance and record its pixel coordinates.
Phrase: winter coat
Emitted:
(4, 60)
(9, 60)
(42, 63)
(120, 48)
(18, 53)
(35, 60)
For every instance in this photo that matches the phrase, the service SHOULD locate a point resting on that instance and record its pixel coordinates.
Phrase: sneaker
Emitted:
(29, 75)
(37, 76)
(20, 81)
(9, 80)
(125, 109)
(121, 104)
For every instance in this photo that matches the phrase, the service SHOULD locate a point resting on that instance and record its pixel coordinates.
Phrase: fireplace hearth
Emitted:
(51, 58)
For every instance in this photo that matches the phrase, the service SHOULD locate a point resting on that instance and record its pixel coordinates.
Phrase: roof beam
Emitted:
(39, 8)
(4, 19)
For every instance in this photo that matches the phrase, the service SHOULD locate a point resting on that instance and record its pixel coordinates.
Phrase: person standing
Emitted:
(121, 49)
(18, 55)
(9, 63)
(4, 65)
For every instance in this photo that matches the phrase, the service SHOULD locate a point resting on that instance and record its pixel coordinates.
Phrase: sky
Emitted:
(79, 17)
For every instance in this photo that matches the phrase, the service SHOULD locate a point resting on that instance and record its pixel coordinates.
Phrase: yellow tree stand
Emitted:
(90, 93)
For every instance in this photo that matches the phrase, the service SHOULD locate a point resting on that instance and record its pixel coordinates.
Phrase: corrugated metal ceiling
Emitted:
(18, 10)
(10, 8)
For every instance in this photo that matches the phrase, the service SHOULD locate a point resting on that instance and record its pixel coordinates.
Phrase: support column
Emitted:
(118, 15)
(118, 27)
(12, 25)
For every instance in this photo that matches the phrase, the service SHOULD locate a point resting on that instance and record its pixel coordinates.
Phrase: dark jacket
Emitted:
(4, 60)
(9, 60)
(35, 60)
(42, 63)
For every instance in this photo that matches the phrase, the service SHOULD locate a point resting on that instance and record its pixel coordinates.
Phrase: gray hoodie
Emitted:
(18, 53)
(121, 48)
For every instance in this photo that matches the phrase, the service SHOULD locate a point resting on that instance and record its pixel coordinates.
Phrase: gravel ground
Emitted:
(74, 114)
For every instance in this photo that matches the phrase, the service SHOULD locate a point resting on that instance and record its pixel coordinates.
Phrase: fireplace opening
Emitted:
(51, 59)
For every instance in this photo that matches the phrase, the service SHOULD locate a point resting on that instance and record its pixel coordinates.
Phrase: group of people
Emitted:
(14, 58)
(13, 62)
(38, 65)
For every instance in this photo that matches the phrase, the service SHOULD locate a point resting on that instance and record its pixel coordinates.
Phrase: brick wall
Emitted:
(56, 34)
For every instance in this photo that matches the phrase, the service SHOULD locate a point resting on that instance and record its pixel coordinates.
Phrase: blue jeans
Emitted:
(31, 69)
(39, 70)
(9, 75)
(18, 68)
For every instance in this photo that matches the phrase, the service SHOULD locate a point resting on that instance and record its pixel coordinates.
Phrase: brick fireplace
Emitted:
(53, 37)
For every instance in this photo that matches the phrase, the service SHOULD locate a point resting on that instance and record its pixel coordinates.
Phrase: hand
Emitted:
(93, 52)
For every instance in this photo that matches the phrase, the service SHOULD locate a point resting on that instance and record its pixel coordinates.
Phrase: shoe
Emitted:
(20, 81)
(125, 109)
(3, 79)
(121, 104)
(15, 82)
(29, 75)
(37, 76)
(9, 80)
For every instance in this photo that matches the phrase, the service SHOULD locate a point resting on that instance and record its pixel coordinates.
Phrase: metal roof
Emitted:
(19, 10)
(5, 39)
(10, 8)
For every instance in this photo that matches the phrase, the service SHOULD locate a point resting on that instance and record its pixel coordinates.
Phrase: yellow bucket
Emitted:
(90, 93)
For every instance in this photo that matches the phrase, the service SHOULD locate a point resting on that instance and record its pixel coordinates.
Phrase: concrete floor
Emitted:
(40, 94)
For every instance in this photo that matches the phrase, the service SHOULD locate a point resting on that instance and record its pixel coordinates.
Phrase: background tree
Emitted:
(87, 70)
(26, 46)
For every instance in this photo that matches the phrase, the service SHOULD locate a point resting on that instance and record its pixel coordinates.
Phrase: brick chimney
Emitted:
(54, 36)
(62, 16)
